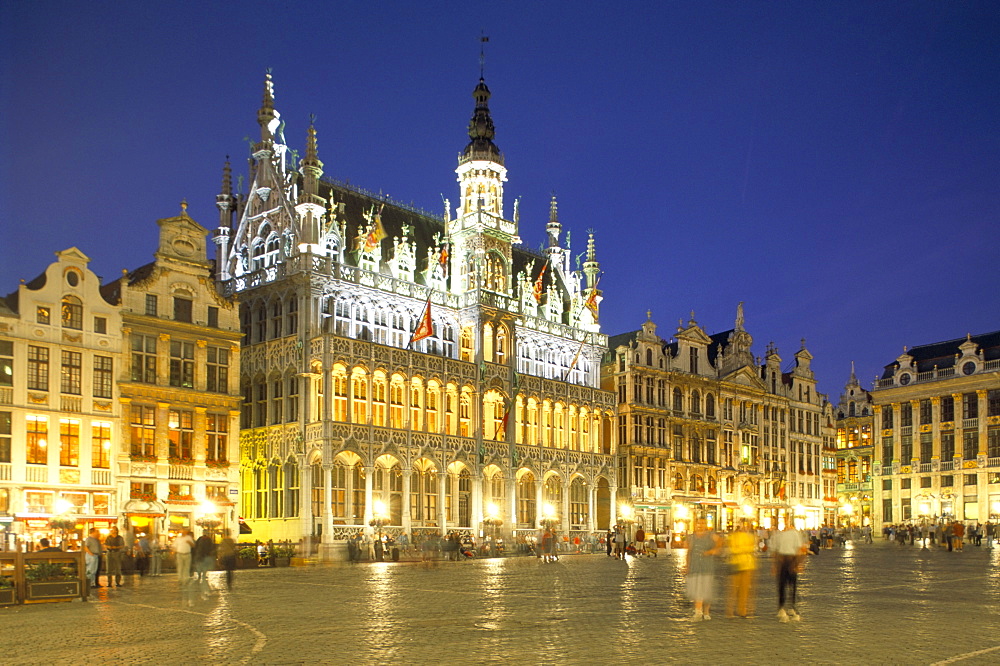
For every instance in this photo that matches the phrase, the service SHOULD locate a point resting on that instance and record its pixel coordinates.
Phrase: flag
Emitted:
(576, 357)
(591, 303)
(425, 327)
(538, 283)
(443, 260)
(781, 490)
(376, 234)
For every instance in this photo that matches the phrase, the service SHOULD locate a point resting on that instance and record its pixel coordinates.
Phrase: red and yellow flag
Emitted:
(377, 233)
(538, 284)
(425, 327)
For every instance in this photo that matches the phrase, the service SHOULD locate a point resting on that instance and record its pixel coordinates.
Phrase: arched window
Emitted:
(339, 377)
(678, 400)
(678, 481)
(397, 390)
(710, 405)
(488, 342)
(496, 273)
(359, 396)
(380, 390)
(578, 504)
(649, 357)
(465, 349)
(501, 345)
(416, 404)
(72, 313)
(532, 437)
(433, 412)
(526, 499)
(465, 413)
(695, 402)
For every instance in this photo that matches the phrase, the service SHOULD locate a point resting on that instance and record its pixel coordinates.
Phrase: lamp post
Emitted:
(379, 518)
(494, 522)
(627, 514)
(209, 519)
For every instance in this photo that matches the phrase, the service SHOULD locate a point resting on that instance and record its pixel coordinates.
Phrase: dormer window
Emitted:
(693, 360)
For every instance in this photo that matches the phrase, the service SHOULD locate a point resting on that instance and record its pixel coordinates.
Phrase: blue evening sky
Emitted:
(833, 164)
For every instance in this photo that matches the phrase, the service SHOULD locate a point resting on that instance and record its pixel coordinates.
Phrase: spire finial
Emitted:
(482, 52)
(267, 117)
(184, 207)
(739, 316)
(649, 315)
(854, 379)
(553, 208)
(227, 178)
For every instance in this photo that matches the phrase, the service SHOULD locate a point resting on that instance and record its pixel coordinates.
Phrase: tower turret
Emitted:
(224, 202)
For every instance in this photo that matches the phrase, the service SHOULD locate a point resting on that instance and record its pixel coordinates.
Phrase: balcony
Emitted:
(5, 471)
(37, 474)
(100, 477)
(970, 423)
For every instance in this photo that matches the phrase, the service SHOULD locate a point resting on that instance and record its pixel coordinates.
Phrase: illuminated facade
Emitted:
(704, 430)
(937, 415)
(178, 388)
(495, 414)
(60, 346)
(854, 455)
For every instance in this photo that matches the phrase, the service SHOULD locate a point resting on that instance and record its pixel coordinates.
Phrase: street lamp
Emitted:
(379, 518)
(209, 519)
(493, 521)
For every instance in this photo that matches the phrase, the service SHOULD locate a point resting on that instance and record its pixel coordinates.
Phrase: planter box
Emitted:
(62, 590)
(282, 561)
(7, 596)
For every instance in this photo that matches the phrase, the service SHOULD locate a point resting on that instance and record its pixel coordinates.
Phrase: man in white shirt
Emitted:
(182, 552)
(788, 547)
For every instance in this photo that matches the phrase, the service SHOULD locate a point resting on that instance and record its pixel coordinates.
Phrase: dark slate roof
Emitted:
(942, 354)
(112, 291)
(424, 225)
(719, 342)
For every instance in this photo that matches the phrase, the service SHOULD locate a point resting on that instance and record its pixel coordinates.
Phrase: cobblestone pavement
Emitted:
(877, 603)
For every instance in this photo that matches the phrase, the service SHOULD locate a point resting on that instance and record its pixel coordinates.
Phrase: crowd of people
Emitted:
(950, 534)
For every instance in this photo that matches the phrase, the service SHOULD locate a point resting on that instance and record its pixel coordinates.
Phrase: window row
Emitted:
(183, 370)
(71, 363)
(924, 412)
(924, 448)
(72, 441)
(180, 433)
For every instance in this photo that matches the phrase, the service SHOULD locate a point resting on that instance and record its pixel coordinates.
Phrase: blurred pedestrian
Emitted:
(182, 546)
(114, 544)
(155, 556)
(742, 547)
(227, 558)
(788, 549)
(703, 547)
(92, 556)
(142, 554)
(203, 555)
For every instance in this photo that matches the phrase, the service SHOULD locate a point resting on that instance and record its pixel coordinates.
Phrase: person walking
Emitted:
(640, 541)
(142, 554)
(203, 556)
(114, 544)
(227, 558)
(789, 548)
(182, 546)
(92, 556)
(155, 556)
(742, 547)
(703, 547)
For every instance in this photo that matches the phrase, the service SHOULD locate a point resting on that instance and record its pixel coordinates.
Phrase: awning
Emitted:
(244, 528)
(730, 504)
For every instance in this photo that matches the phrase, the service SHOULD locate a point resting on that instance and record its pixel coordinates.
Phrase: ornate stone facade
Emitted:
(349, 416)
(705, 429)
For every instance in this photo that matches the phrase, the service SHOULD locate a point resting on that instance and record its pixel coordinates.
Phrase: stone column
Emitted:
(442, 508)
(936, 428)
(510, 519)
(614, 504)
(407, 473)
(591, 507)
(982, 408)
(959, 408)
(327, 503)
(477, 500)
(369, 498)
(567, 524)
(305, 497)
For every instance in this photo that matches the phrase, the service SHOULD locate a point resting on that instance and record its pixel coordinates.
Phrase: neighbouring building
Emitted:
(119, 403)
(937, 414)
(705, 429)
(854, 455)
(60, 347)
(410, 372)
(178, 385)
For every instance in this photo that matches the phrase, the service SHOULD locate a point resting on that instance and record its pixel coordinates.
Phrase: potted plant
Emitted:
(7, 592)
(48, 579)
(246, 556)
(282, 555)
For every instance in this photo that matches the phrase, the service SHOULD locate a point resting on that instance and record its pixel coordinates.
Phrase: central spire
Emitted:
(481, 130)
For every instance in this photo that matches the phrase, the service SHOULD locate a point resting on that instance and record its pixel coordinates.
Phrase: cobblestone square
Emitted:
(878, 603)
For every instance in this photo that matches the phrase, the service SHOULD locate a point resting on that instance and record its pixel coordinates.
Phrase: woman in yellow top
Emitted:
(742, 547)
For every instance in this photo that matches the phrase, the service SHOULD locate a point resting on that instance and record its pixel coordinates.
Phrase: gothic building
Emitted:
(705, 429)
(854, 455)
(425, 372)
(937, 411)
